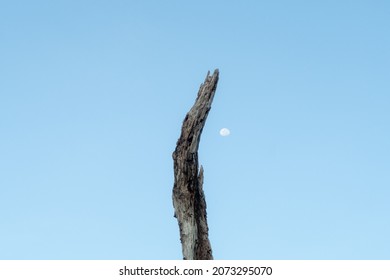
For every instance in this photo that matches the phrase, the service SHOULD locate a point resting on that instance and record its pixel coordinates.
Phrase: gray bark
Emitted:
(188, 196)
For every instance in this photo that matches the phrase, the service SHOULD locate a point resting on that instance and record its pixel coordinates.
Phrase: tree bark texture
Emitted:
(188, 196)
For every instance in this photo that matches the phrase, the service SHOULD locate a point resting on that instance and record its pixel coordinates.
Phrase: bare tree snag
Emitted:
(188, 196)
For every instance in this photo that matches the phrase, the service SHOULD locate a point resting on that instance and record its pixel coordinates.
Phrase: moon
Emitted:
(224, 132)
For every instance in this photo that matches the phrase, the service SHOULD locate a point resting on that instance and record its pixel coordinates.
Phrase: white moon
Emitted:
(224, 132)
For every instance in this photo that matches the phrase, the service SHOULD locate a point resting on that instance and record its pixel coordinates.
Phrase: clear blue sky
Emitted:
(93, 95)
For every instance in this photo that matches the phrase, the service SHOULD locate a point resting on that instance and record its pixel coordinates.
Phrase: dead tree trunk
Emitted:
(188, 196)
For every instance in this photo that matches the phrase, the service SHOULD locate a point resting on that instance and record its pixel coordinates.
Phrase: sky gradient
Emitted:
(93, 95)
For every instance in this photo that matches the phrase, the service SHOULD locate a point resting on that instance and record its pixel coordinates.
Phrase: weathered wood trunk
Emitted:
(188, 196)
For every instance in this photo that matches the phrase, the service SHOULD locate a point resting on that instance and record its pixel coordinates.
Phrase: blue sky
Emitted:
(93, 95)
